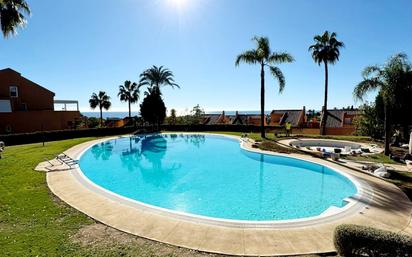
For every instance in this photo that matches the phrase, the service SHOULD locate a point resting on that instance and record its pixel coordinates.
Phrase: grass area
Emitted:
(271, 136)
(35, 223)
(403, 180)
(378, 158)
(32, 223)
(360, 139)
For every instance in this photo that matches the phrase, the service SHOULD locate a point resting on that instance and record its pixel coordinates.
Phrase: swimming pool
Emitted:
(211, 176)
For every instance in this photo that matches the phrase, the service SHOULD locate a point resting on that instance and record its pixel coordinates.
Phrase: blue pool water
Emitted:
(212, 176)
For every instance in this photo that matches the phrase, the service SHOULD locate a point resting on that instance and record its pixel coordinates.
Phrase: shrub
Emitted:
(45, 136)
(354, 240)
(93, 122)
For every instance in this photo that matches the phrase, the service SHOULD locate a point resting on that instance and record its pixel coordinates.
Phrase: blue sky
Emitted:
(76, 47)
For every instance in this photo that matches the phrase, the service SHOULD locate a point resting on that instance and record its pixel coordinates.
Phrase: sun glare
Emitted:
(178, 3)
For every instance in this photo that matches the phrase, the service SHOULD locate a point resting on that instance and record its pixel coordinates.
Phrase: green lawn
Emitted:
(378, 158)
(35, 223)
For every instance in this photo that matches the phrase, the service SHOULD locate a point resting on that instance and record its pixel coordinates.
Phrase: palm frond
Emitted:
(157, 76)
(280, 57)
(371, 70)
(13, 15)
(326, 48)
(249, 57)
(277, 73)
(262, 47)
(101, 100)
(364, 87)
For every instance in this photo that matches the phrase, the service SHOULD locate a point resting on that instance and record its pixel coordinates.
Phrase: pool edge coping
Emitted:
(353, 206)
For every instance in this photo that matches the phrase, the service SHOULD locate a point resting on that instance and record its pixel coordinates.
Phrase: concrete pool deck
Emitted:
(388, 208)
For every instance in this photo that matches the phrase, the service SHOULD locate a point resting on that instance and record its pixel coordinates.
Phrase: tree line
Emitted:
(152, 108)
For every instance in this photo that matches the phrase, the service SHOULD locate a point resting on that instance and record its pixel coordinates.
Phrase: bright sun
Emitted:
(178, 3)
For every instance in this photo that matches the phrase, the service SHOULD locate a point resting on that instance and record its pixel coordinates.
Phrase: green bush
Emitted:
(354, 240)
(39, 136)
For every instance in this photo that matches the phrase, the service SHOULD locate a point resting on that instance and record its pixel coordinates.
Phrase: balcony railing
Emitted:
(65, 103)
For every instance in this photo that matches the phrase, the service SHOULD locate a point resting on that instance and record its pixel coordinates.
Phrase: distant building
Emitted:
(237, 119)
(27, 107)
(341, 121)
(280, 117)
(118, 122)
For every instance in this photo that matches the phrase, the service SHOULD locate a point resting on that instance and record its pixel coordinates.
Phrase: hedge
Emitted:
(35, 137)
(354, 240)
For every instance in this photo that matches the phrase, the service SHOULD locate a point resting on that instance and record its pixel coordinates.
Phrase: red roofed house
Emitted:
(27, 107)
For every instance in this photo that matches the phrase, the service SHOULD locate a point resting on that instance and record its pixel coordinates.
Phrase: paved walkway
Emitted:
(389, 209)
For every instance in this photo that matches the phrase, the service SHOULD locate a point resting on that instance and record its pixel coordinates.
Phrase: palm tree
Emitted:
(264, 57)
(157, 77)
(129, 92)
(389, 79)
(325, 50)
(12, 16)
(101, 100)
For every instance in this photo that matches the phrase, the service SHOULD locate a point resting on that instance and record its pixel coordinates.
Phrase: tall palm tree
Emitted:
(101, 100)
(388, 79)
(157, 77)
(129, 92)
(263, 56)
(326, 50)
(12, 16)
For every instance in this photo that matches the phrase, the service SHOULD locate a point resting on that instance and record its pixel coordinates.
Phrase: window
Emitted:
(348, 121)
(13, 91)
(5, 106)
(23, 107)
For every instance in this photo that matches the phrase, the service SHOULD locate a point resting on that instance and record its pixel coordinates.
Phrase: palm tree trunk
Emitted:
(325, 104)
(130, 111)
(101, 117)
(387, 130)
(262, 101)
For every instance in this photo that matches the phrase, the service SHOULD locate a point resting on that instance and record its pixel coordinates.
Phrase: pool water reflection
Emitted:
(212, 176)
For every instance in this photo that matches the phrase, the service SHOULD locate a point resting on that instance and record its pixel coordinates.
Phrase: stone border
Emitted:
(289, 143)
(354, 203)
(388, 209)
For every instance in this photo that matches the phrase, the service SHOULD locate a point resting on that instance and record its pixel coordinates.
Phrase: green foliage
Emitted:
(129, 92)
(101, 101)
(157, 77)
(392, 79)
(172, 119)
(45, 136)
(93, 122)
(263, 56)
(12, 16)
(153, 109)
(370, 122)
(354, 241)
(196, 115)
(326, 48)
